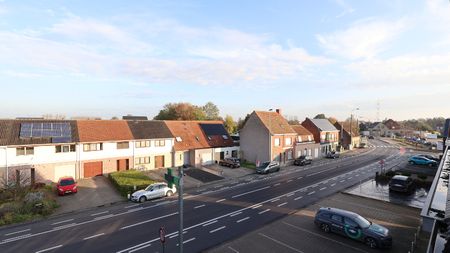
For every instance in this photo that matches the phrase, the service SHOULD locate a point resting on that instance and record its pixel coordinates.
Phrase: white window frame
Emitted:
(276, 142)
(288, 141)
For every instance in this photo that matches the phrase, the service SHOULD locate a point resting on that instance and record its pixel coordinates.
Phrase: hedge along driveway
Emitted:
(126, 180)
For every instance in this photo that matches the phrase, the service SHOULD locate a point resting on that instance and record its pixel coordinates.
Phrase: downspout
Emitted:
(6, 165)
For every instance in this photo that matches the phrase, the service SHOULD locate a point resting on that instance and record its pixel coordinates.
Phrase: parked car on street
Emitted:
(230, 162)
(400, 183)
(267, 167)
(332, 154)
(153, 191)
(371, 137)
(420, 160)
(430, 157)
(66, 185)
(303, 160)
(353, 225)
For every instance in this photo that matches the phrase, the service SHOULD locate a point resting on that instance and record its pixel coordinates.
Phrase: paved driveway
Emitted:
(92, 192)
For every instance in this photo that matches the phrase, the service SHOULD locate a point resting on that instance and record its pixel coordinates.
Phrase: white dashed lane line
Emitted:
(311, 193)
(17, 232)
(59, 222)
(298, 198)
(257, 206)
(95, 214)
(217, 229)
(290, 194)
(282, 204)
(342, 181)
(90, 237)
(200, 206)
(323, 188)
(244, 219)
(277, 184)
(275, 200)
(209, 223)
(265, 211)
(333, 184)
(234, 214)
(52, 248)
(220, 200)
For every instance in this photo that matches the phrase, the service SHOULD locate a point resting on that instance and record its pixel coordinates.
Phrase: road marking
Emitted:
(64, 226)
(190, 240)
(277, 184)
(241, 220)
(342, 181)
(235, 251)
(290, 194)
(200, 206)
(220, 200)
(217, 229)
(282, 204)
(90, 237)
(134, 209)
(21, 231)
(132, 206)
(234, 214)
(299, 177)
(147, 221)
(323, 188)
(95, 214)
(275, 200)
(245, 193)
(258, 206)
(44, 250)
(333, 184)
(311, 193)
(350, 178)
(103, 217)
(298, 198)
(281, 243)
(59, 222)
(143, 247)
(265, 211)
(16, 238)
(207, 224)
(324, 237)
(357, 175)
(290, 180)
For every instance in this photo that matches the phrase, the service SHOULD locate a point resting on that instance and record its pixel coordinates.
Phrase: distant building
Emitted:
(324, 133)
(349, 139)
(130, 117)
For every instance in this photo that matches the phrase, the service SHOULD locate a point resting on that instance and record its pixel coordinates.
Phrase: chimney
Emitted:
(278, 111)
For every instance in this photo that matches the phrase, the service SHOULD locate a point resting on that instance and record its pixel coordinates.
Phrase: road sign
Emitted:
(171, 179)
(162, 234)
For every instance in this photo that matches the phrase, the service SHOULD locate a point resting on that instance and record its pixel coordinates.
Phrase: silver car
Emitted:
(153, 191)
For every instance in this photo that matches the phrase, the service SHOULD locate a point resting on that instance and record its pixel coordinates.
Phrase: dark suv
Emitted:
(303, 160)
(230, 162)
(400, 183)
(353, 225)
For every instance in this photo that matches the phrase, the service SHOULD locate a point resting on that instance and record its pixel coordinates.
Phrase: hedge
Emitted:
(126, 180)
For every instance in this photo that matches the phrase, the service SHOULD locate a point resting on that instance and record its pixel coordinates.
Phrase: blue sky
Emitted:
(112, 58)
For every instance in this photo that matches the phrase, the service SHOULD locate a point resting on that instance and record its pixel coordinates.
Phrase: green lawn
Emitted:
(126, 180)
(249, 165)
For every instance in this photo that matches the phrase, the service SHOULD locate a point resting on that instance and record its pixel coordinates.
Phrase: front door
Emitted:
(222, 155)
(159, 161)
(337, 224)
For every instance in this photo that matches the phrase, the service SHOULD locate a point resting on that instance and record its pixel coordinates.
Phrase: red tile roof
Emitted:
(301, 130)
(276, 123)
(103, 130)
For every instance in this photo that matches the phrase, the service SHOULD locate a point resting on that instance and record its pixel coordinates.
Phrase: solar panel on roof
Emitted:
(46, 130)
(61, 139)
(213, 129)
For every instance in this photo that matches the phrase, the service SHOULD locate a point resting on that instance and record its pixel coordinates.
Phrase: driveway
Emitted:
(92, 192)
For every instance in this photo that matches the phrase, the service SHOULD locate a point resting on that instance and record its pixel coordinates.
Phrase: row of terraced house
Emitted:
(86, 148)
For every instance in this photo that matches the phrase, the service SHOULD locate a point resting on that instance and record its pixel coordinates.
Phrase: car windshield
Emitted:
(397, 181)
(263, 165)
(362, 222)
(66, 182)
(149, 188)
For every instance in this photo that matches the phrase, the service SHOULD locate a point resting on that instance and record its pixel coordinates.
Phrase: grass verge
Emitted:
(248, 164)
(126, 180)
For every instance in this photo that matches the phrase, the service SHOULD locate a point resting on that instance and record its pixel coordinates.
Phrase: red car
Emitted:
(66, 185)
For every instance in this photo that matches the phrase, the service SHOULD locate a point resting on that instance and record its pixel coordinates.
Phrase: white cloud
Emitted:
(347, 8)
(364, 39)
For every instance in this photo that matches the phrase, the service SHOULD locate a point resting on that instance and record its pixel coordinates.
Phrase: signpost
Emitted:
(162, 237)
(177, 181)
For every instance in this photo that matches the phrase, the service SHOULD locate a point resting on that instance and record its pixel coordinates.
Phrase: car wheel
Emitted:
(169, 193)
(411, 162)
(142, 199)
(325, 228)
(278, 169)
(371, 242)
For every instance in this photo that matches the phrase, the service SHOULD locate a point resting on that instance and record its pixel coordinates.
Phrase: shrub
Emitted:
(248, 164)
(126, 180)
(390, 173)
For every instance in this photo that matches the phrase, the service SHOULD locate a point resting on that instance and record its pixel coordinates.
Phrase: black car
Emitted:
(353, 225)
(230, 162)
(303, 160)
(400, 183)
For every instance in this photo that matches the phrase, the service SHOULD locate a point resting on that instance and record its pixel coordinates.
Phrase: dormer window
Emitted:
(209, 138)
(225, 137)
(196, 137)
(178, 139)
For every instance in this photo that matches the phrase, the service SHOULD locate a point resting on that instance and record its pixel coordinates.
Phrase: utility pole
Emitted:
(180, 207)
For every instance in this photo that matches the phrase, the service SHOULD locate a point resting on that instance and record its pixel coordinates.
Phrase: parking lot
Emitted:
(297, 232)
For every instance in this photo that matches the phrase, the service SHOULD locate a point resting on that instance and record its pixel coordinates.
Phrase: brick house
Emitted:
(348, 139)
(305, 144)
(267, 136)
(324, 133)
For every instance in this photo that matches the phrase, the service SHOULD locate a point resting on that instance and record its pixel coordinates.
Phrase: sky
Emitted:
(389, 58)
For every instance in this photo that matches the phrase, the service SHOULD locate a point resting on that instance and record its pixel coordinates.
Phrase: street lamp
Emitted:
(270, 134)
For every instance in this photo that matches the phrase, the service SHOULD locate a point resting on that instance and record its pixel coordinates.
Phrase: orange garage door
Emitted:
(93, 169)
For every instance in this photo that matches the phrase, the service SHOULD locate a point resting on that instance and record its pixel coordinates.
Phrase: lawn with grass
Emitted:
(248, 164)
(125, 181)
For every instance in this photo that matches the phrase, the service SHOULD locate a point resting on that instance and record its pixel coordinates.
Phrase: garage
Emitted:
(206, 158)
(159, 161)
(64, 171)
(186, 157)
(93, 169)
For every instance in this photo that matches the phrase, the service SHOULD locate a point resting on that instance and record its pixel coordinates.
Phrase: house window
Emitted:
(178, 139)
(322, 137)
(142, 160)
(299, 138)
(24, 151)
(142, 144)
(288, 141)
(309, 137)
(160, 143)
(92, 147)
(64, 148)
(123, 145)
(289, 154)
(234, 153)
(277, 142)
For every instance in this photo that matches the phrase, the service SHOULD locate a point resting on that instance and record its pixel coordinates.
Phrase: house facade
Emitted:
(305, 144)
(267, 136)
(324, 133)
(348, 139)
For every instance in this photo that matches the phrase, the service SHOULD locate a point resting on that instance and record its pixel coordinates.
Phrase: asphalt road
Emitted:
(213, 215)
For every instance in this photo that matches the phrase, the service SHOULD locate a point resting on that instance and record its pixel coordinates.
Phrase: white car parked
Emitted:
(153, 191)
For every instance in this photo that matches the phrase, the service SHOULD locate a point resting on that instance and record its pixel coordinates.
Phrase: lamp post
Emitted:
(270, 135)
(351, 120)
